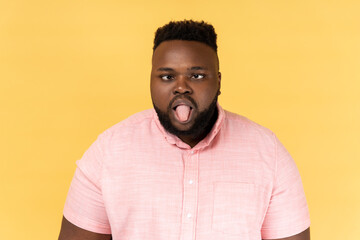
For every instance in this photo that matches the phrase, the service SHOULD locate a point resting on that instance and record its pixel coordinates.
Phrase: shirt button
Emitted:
(192, 152)
(188, 215)
(190, 181)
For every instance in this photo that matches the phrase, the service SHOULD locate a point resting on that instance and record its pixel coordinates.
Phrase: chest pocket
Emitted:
(236, 209)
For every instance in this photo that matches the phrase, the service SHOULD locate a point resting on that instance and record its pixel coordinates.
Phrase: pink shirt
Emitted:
(136, 182)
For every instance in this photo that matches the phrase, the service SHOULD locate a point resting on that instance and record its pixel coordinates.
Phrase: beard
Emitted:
(203, 123)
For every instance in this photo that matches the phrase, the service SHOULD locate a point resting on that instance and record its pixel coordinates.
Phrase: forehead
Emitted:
(178, 53)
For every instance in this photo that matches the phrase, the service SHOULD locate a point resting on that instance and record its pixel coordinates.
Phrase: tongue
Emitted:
(182, 112)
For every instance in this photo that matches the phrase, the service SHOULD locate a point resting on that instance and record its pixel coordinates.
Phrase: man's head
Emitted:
(185, 78)
(187, 30)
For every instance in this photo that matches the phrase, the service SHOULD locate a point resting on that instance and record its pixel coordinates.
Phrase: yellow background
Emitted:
(71, 69)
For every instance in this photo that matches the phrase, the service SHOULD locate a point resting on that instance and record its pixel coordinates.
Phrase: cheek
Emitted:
(206, 96)
(159, 96)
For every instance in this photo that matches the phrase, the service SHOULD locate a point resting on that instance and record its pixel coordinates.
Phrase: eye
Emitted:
(198, 76)
(166, 77)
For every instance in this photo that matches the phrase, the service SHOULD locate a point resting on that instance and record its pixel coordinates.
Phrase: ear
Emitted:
(219, 79)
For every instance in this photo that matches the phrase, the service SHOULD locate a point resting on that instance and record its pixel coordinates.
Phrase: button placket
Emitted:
(190, 195)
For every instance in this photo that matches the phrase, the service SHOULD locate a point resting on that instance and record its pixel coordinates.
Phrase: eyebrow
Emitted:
(197, 68)
(167, 69)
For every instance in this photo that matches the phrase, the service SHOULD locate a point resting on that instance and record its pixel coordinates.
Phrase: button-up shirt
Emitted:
(137, 181)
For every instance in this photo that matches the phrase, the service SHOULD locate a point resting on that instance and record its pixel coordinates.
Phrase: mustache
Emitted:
(182, 97)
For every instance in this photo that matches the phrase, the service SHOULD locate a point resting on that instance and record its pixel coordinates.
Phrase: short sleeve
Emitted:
(287, 213)
(84, 206)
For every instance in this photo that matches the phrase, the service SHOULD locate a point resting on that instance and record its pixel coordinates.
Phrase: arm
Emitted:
(71, 232)
(84, 206)
(305, 235)
(287, 213)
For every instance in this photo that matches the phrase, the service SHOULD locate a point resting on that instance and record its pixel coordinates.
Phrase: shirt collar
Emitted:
(172, 139)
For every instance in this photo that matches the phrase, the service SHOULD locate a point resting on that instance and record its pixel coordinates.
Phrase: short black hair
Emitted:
(186, 30)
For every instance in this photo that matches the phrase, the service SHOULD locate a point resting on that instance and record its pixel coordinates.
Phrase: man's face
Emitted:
(185, 83)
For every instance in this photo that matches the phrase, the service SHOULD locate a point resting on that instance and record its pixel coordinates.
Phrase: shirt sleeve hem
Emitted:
(87, 225)
(283, 233)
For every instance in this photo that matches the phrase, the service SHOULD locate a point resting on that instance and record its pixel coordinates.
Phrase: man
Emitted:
(186, 169)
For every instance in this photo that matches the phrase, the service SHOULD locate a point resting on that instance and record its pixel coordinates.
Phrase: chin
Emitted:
(183, 127)
(199, 123)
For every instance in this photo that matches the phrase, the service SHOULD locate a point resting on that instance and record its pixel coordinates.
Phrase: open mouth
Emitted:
(183, 112)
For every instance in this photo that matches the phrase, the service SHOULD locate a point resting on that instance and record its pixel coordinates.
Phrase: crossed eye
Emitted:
(170, 77)
(198, 76)
(167, 77)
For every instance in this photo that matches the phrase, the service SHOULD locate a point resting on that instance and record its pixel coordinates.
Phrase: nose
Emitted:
(181, 86)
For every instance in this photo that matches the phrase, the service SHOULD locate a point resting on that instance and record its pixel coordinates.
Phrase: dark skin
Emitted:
(71, 232)
(185, 68)
(178, 67)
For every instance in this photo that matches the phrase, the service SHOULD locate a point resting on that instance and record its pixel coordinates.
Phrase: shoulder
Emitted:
(241, 124)
(242, 133)
(135, 122)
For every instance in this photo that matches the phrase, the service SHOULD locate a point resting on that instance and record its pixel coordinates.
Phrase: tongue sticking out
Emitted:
(183, 112)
